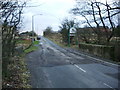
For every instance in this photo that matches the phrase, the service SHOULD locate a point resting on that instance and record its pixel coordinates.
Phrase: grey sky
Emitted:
(53, 12)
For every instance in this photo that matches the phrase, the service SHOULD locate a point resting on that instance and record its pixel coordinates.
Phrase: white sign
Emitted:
(72, 30)
(72, 34)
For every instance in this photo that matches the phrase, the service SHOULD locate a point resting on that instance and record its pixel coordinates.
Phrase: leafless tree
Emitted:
(10, 19)
(48, 31)
(101, 14)
(65, 27)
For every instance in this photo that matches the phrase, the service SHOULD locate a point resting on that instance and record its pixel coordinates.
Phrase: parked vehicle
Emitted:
(38, 38)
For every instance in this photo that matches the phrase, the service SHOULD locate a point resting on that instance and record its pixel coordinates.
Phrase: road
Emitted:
(52, 66)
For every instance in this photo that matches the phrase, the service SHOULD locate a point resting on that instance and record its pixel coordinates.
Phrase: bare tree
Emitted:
(10, 19)
(101, 14)
(48, 31)
(85, 34)
(65, 27)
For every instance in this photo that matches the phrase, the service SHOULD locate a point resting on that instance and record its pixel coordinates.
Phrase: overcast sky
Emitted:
(53, 12)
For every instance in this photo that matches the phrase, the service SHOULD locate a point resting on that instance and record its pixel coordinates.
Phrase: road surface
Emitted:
(52, 66)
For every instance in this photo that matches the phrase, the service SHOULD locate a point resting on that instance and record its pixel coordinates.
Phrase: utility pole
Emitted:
(33, 25)
(119, 14)
(33, 28)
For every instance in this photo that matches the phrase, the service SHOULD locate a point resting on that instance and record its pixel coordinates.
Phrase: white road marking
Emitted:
(79, 68)
(108, 86)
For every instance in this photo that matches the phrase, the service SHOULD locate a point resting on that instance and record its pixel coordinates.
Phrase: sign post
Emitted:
(71, 32)
(33, 26)
(68, 38)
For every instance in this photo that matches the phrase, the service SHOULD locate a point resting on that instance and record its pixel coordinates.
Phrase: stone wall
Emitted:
(99, 50)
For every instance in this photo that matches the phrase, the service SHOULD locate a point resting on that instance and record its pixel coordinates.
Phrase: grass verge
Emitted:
(36, 42)
(58, 43)
(32, 47)
(63, 45)
(24, 43)
(18, 74)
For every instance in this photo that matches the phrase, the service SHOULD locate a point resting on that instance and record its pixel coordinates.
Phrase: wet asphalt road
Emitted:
(54, 67)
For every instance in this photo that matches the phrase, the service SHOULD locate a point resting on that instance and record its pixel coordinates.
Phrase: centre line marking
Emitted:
(108, 86)
(79, 68)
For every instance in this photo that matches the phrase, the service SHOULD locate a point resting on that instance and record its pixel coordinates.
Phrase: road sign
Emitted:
(72, 34)
(72, 30)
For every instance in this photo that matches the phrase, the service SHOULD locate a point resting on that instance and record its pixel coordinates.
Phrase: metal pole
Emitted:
(33, 25)
(76, 38)
(33, 28)
(69, 38)
(119, 14)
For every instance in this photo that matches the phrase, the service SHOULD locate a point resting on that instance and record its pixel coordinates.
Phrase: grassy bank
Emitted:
(24, 43)
(18, 75)
(32, 47)
(63, 44)
(57, 42)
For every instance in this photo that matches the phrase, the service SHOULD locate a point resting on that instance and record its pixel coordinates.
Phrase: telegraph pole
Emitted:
(119, 14)
(33, 28)
(33, 25)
